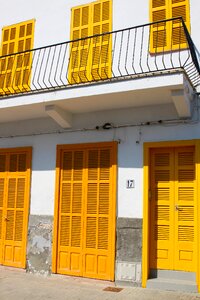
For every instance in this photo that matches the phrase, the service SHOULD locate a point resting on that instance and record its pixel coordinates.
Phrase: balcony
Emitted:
(126, 62)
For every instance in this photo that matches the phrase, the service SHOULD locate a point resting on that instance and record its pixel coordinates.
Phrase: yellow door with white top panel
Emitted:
(173, 209)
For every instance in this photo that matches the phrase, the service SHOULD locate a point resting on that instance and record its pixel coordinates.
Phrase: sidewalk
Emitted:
(18, 285)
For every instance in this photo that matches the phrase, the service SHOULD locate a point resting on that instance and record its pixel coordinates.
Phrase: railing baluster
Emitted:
(129, 53)
(134, 47)
(127, 50)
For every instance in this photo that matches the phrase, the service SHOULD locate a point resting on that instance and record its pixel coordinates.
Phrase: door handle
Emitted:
(6, 219)
(176, 207)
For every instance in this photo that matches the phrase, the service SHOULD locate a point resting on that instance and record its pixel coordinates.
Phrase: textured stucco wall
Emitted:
(129, 240)
(39, 249)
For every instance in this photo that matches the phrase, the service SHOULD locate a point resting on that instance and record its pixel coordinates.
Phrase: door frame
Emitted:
(146, 207)
(59, 150)
(28, 150)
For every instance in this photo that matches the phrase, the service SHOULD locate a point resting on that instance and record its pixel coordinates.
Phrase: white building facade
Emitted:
(100, 138)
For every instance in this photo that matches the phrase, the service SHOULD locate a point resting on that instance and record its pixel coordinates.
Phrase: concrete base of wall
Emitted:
(129, 252)
(128, 274)
(128, 248)
(39, 249)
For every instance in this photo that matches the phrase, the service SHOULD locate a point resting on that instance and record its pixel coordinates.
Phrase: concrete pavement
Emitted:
(18, 285)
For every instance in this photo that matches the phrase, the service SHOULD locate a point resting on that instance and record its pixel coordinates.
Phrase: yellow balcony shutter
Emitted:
(169, 35)
(79, 56)
(15, 70)
(179, 8)
(23, 61)
(159, 37)
(90, 59)
(101, 46)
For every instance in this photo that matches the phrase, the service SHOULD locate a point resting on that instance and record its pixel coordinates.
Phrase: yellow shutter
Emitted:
(185, 216)
(101, 46)
(86, 214)
(70, 215)
(168, 35)
(179, 8)
(15, 70)
(159, 35)
(79, 56)
(162, 213)
(7, 64)
(90, 59)
(2, 201)
(97, 250)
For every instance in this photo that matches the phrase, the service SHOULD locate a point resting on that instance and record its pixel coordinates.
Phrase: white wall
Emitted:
(52, 26)
(130, 152)
(53, 17)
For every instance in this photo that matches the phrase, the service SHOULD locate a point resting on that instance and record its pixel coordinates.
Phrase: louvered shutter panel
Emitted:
(70, 213)
(16, 210)
(173, 209)
(159, 35)
(7, 64)
(161, 242)
(98, 220)
(185, 231)
(79, 55)
(2, 200)
(86, 211)
(101, 46)
(24, 61)
(15, 70)
(179, 8)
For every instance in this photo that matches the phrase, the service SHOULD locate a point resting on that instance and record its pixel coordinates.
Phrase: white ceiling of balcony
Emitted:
(90, 98)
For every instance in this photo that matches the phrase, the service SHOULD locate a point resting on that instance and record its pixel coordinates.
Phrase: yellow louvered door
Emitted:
(16, 210)
(71, 213)
(179, 8)
(86, 211)
(97, 252)
(2, 201)
(101, 46)
(173, 209)
(185, 210)
(159, 35)
(80, 56)
(161, 209)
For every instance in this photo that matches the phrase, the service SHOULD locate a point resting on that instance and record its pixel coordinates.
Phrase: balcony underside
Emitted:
(62, 104)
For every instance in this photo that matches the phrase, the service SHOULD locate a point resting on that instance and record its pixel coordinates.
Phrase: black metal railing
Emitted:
(147, 50)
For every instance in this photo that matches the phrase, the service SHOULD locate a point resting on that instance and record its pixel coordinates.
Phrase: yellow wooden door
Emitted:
(172, 209)
(14, 203)
(86, 211)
